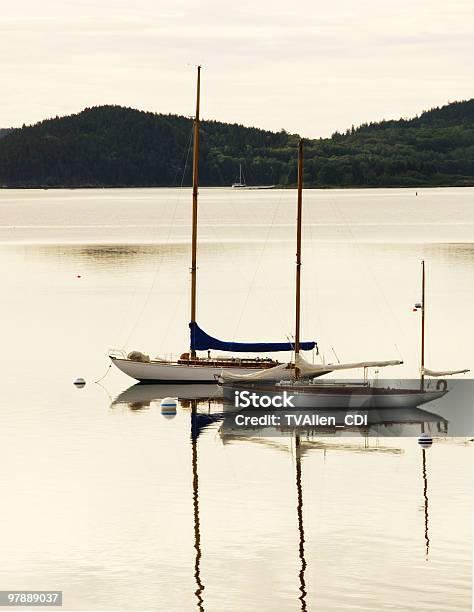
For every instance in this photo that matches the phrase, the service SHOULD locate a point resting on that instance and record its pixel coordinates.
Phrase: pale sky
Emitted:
(308, 66)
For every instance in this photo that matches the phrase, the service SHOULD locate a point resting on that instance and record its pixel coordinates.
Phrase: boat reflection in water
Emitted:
(206, 407)
(373, 422)
(143, 395)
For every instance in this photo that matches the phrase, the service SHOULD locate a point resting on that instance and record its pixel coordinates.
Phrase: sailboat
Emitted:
(300, 378)
(241, 182)
(190, 368)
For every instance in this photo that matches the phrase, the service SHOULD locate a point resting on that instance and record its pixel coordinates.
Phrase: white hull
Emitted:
(163, 372)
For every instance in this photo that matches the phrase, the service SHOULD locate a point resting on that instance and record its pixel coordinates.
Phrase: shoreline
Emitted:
(253, 189)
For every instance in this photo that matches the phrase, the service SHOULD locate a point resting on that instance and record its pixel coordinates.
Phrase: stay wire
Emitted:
(317, 309)
(102, 377)
(160, 261)
(259, 263)
(368, 267)
(132, 299)
(211, 226)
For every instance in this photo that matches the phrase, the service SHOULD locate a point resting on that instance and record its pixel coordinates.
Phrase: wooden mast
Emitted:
(422, 374)
(195, 204)
(298, 252)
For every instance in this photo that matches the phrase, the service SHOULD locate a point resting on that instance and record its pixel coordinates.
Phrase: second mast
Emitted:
(195, 203)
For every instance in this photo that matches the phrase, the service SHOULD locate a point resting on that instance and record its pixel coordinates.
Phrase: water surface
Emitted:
(120, 508)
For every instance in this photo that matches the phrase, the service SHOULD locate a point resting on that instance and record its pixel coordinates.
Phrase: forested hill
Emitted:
(116, 146)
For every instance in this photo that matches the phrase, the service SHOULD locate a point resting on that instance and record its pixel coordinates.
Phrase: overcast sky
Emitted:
(308, 66)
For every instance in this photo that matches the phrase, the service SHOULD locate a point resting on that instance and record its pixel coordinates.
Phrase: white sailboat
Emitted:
(301, 379)
(190, 368)
(241, 183)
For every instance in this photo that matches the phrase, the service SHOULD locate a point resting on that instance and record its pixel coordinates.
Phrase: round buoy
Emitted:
(80, 382)
(168, 407)
(425, 441)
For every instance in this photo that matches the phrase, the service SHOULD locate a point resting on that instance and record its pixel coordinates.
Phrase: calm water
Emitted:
(104, 498)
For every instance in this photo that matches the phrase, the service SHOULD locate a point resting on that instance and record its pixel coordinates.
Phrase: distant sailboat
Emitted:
(241, 184)
(190, 368)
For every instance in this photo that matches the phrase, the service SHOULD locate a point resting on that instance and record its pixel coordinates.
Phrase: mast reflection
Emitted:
(299, 490)
(197, 529)
(425, 495)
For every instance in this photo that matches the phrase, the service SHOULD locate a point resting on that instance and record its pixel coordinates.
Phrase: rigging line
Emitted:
(284, 322)
(368, 266)
(175, 311)
(398, 351)
(126, 314)
(314, 280)
(259, 263)
(213, 229)
(186, 156)
(111, 399)
(160, 261)
(132, 299)
(102, 377)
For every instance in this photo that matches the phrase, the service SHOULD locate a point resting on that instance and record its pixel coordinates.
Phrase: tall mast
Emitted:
(298, 252)
(422, 375)
(195, 203)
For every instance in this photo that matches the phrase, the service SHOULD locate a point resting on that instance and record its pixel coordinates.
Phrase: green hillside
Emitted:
(116, 146)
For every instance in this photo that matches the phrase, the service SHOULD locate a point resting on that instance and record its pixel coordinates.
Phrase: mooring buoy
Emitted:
(168, 407)
(425, 441)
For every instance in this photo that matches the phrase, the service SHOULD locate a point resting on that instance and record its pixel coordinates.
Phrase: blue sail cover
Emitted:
(200, 341)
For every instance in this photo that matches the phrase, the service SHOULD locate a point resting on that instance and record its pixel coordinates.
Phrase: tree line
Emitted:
(113, 146)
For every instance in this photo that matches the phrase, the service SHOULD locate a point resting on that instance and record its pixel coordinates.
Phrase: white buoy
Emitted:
(79, 382)
(425, 441)
(168, 407)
